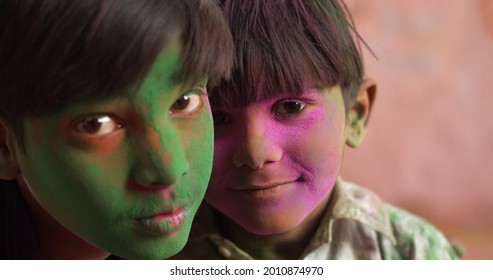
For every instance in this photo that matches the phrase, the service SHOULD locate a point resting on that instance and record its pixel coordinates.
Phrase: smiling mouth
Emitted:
(265, 188)
(164, 223)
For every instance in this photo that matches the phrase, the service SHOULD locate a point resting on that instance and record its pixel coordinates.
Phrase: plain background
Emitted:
(429, 147)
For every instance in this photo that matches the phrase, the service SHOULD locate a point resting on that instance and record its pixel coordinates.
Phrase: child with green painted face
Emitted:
(297, 98)
(106, 133)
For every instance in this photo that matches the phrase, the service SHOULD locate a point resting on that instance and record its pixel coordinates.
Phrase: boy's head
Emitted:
(282, 45)
(296, 98)
(104, 120)
(57, 52)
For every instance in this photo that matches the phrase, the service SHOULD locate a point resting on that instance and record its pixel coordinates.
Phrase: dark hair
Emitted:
(281, 44)
(53, 52)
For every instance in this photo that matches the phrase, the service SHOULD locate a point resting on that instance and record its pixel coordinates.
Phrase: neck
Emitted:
(54, 240)
(283, 246)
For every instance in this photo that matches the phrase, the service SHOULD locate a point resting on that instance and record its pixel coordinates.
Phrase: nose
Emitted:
(257, 143)
(160, 158)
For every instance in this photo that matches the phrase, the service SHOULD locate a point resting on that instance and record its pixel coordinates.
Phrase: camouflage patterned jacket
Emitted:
(356, 225)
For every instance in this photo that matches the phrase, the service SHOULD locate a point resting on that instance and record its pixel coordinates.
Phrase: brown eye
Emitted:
(187, 104)
(287, 107)
(182, 103)
(95, 126)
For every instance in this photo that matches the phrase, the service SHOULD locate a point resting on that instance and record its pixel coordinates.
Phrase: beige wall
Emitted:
(429, 146)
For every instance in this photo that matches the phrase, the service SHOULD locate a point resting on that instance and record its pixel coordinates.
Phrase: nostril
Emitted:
(166, 192)
(256, 166)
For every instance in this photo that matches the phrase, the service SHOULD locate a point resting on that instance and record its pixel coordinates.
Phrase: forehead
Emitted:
(162, 73)
(247, 88)
(158, 88)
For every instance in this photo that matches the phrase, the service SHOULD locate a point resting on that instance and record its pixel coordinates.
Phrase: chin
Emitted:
(158, 248)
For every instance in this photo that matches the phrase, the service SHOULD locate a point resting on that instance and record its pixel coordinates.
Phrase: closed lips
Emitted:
(164, 222)
(263, 186)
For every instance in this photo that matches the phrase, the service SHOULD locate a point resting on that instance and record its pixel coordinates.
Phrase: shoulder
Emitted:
(353, 202)
(402, 235)
(416, 238)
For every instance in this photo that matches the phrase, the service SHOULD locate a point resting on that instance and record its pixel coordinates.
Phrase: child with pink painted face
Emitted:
(296, 100)
(106, 133)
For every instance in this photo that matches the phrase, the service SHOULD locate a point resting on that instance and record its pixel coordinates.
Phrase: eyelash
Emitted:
(102, 120)
(194, 93)
(303, 104)
(223, 118)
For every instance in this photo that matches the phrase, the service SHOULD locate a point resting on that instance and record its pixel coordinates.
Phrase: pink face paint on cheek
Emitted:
(307, 123)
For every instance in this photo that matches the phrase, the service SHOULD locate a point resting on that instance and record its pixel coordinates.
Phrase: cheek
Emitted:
(225, 137)
(63, 176)
(222, 154)
(61, 157)
(224, 141)
(198, 142)
(100, 146)
(223, 171)
(322, 146)
(319, 150)
(83, 176)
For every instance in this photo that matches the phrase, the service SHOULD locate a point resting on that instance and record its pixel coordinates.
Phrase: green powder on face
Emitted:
(85, 183)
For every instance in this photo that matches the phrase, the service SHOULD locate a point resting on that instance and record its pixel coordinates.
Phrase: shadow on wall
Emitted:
(429, 145)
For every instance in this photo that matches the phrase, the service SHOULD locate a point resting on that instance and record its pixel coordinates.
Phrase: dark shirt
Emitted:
(17, 237)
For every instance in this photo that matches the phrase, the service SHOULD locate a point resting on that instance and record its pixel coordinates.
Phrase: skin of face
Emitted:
(277, 160)
(128, 173)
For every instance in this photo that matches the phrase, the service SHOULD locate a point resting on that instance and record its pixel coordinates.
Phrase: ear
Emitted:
(9, 169)
(360, 113)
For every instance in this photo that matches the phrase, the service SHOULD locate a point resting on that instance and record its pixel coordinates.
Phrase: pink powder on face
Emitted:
(271, 173)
